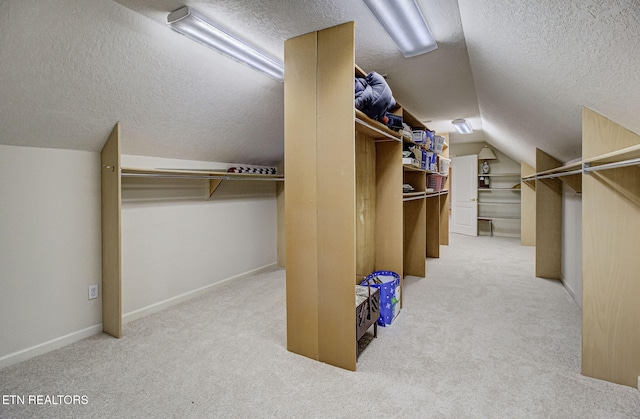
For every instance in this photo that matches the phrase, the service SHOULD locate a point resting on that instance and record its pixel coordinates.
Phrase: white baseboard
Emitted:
(49, 346)
(161, 305)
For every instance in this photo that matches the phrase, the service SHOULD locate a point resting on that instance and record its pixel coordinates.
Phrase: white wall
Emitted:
(572, 243)
(175, 242)
(49, 248)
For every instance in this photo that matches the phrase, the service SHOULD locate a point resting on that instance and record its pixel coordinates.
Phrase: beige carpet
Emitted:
(480, 337)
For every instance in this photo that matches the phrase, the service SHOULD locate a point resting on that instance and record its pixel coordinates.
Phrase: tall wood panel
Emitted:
(389, 222)
(320, 203)
(415, 217)
(445, 200)
(336, 192)
(281, 240)
(527, 207)
(433, 226)
(365, 205)
(548, 220)
(611, 266)
(300, 57)
(111, 235)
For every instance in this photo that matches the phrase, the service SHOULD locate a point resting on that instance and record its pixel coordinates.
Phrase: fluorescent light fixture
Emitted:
(404, 22)
(462, 126)
(198, 27)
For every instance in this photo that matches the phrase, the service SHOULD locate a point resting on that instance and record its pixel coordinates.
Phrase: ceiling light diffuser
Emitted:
(462, 126)
(406, 25)
(193, 24)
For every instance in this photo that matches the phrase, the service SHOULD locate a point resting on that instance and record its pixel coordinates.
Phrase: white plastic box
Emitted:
(443, 165)
(438, 144)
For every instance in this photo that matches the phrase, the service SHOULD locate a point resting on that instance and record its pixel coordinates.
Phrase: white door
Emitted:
(464, 195)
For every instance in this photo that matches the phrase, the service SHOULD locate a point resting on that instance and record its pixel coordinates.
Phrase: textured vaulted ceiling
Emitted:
(536, 63)
(519, 71)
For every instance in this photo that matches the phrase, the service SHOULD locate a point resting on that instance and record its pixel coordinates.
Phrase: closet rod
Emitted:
(561, 174)
(176, 176)
(624, 163)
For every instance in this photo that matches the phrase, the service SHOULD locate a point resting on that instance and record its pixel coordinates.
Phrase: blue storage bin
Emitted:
(389, 285)
(430, 135)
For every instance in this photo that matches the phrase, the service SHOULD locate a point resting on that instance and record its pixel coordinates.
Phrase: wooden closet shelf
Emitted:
(375, 129)
(627, 153)
(499, 175)
(412, 196)
(432, 194)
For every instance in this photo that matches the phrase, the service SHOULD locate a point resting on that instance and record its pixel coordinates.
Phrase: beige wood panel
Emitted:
(213, 186)
(603, 135)
(445, 203)
(527, 207)
(415, 243)
(300, 195)
(365, 205)
(433, 226)
(111, 235)
(610, 262)
(548, 220)
(389, 208)
(282, 253)
(336, 193)
(415, 240)
(611, 275)
(445, 200)
(574, 182)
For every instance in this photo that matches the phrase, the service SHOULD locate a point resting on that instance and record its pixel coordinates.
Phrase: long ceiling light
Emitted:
(406, 25)
(198, 27)
(462, 126)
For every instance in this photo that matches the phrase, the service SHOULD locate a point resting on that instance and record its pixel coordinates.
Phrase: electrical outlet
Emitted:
(93, 292)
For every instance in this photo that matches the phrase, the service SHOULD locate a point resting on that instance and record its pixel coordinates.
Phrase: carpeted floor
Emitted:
(480, 337)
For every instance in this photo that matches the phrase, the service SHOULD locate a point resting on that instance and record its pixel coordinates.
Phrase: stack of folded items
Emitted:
(255, 170)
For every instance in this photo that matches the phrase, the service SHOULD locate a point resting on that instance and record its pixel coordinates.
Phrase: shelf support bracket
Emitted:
(213, 185)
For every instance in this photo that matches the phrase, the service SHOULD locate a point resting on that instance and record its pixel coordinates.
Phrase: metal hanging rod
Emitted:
(179, 176)
(561, 174)
(587, 168)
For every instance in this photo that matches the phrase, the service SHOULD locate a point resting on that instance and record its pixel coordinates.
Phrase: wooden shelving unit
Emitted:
(608, 178)
(343, 197)
(414, 210)
(500, 204)
(345, 212)
(111, 178)
(438, 212)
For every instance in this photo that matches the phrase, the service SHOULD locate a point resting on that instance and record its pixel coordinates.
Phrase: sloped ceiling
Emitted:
(69, 70)
(536, 63)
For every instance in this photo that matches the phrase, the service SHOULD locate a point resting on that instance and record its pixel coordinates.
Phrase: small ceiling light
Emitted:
(462, 126)
(406, 25)
(198, 27)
